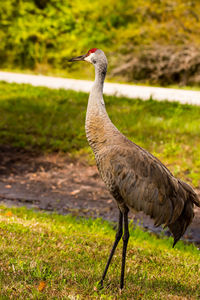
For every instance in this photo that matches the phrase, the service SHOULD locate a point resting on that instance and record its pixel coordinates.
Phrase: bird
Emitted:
(137, 180)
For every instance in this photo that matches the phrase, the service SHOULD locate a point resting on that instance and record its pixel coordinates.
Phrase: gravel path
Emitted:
(130, 91)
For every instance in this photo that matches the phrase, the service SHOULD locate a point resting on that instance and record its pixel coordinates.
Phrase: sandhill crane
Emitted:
(136, 179)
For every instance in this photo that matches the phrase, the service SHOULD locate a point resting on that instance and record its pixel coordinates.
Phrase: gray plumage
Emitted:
(136, 179)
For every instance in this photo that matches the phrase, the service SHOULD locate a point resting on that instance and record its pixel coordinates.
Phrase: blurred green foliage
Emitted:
(35, 33)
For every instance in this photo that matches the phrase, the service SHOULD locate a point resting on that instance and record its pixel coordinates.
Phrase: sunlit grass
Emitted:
(53, 120)
(47, 256)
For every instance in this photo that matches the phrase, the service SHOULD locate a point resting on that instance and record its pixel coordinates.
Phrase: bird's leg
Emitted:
(117, 239)
(125, 243)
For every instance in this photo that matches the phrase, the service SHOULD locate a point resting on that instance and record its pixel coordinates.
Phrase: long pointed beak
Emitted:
(78, 58)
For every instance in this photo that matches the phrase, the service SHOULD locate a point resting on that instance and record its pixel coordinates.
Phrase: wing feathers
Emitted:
(145, 184)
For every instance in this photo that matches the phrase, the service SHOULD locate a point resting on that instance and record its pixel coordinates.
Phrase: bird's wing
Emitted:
(145, 183)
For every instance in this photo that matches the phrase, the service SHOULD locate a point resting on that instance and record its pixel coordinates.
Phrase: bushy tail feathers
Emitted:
(192, 195)
(179, 227)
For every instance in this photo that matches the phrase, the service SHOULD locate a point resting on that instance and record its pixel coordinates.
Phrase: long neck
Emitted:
(96, 101)
(97, 120)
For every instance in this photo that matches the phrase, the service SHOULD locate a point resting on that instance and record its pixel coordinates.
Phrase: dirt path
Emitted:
(56, 183)
(116, 89)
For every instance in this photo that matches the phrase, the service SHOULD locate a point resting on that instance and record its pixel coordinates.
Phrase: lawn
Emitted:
(41, 119)
(49, 256)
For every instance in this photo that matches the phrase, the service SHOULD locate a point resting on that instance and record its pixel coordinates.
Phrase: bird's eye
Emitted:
(94, 61)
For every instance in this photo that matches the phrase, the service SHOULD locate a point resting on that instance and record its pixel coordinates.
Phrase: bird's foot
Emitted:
(100, 285)
(121, 286)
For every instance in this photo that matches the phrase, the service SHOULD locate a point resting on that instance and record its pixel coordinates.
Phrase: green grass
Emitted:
(67, 256)
(37, 118)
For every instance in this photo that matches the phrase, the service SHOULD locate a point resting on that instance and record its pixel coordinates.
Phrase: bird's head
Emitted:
(94, 56)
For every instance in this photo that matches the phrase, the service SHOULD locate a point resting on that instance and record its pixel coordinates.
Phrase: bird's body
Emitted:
(136, 179)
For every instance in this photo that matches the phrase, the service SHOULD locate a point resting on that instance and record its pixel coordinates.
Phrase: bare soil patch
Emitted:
(55, 182)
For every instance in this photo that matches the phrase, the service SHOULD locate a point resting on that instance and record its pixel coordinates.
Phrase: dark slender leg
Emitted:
(125, 243)
(117, 239)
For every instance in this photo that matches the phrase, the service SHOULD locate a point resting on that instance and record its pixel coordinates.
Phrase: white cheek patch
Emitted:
(89, 58)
